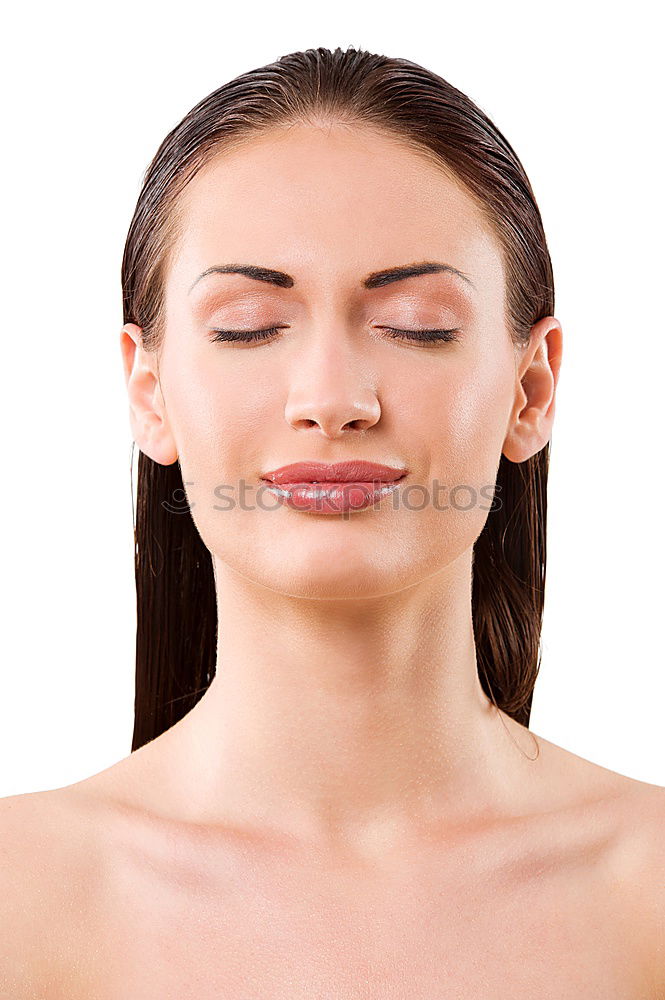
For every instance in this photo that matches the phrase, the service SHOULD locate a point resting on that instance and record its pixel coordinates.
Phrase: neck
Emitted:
(331, 720)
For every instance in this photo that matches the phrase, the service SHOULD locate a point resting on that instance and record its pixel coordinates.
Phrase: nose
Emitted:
(333, 389)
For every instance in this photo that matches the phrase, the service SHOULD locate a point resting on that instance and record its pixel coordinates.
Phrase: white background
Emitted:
(89, 93)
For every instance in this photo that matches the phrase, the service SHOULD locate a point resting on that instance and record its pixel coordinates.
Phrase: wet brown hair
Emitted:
(176, 604)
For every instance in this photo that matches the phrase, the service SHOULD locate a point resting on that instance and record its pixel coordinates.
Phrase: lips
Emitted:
(340, 472)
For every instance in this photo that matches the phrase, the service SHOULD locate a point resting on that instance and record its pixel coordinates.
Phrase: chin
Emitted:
(327, 574)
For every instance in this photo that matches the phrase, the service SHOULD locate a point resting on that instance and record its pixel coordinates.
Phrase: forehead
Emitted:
(331, 203)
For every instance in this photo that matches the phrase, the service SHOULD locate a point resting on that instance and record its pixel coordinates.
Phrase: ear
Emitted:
(536, 377)
(147, 410)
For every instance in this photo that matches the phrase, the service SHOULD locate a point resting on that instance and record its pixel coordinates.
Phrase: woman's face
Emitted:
(330, 206)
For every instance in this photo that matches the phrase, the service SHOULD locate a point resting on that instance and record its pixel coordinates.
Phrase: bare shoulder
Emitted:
(641, 809)
(23, 895)
(45, 863)
(644, 819)
(629, 817)
(633, 809)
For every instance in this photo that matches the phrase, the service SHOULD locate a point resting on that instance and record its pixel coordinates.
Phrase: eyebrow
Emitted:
(377, 279)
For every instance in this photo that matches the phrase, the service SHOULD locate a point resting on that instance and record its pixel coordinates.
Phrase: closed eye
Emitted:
(245, 336)
(248, 336)
(422, 335)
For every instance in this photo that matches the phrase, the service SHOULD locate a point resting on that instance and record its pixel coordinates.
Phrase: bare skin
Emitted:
(344, 813)
(106, 897)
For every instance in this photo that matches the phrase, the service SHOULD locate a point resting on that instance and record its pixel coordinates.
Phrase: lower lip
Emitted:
(331, 498)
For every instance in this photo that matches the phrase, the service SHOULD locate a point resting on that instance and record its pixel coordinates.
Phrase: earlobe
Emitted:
(536, 378)
(147, 413)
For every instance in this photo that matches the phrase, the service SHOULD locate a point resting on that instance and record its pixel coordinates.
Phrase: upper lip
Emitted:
(340, 472)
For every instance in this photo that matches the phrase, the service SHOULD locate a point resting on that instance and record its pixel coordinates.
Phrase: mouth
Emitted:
(316, 473)
(331, 494)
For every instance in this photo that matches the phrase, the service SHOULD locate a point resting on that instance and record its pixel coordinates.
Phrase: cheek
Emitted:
(212, 410)
(217, 425)
(459, 414)
(458, 421)
(474, 418)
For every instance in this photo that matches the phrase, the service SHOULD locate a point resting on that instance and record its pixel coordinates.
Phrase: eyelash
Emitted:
(423, 336)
